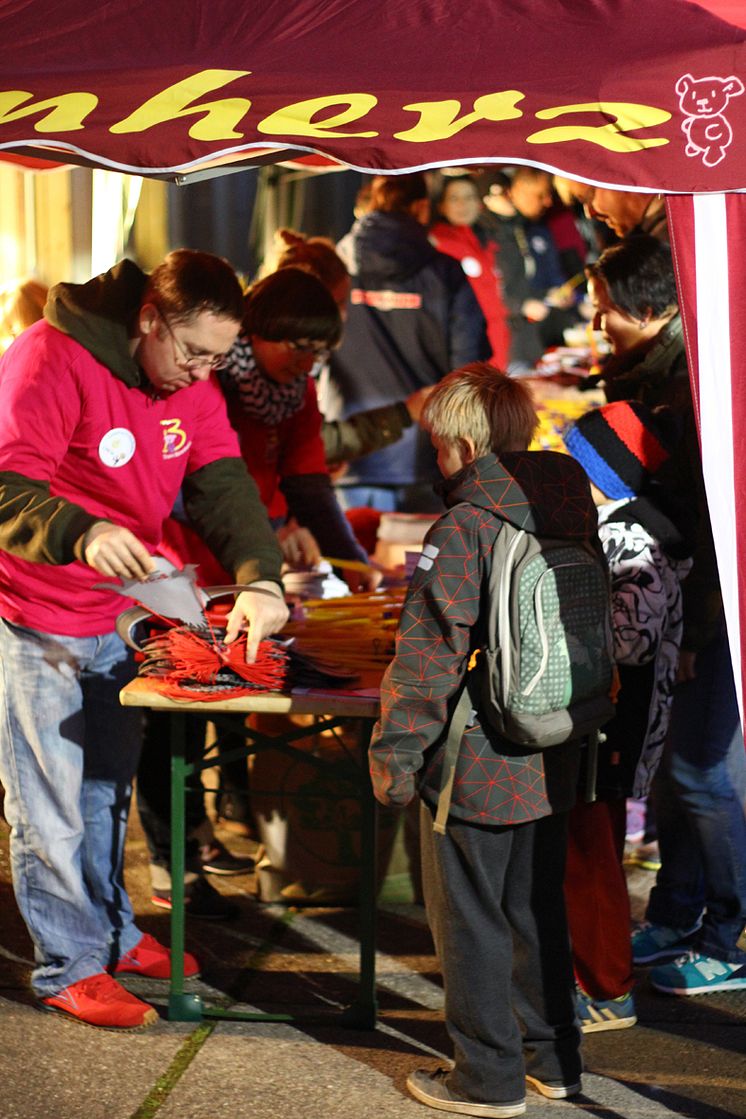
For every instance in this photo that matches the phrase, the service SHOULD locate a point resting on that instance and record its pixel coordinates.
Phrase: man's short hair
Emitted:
(638, 273)
(188, 282)
(480, 403)
(396, 193)
(526, 174)
(290, 305)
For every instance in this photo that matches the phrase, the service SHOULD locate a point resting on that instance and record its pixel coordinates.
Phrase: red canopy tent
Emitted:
(647, 97)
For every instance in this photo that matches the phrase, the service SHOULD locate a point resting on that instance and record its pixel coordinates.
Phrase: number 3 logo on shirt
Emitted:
(174, 438)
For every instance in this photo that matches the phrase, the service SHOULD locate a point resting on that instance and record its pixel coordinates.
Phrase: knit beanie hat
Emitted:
(621, 446)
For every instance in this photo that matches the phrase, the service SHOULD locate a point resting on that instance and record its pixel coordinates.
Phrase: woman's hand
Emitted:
(358, 580)
(299, 547)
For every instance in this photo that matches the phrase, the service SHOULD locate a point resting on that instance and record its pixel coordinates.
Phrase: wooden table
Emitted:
(329, 709)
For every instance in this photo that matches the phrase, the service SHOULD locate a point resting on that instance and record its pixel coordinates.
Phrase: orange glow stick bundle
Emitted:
(195, 664)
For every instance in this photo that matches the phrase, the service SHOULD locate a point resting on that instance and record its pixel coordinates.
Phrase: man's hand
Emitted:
(416, 402)
(113, 550)
(534, 310)
(298, 544)
(561, 296)
(262, 614)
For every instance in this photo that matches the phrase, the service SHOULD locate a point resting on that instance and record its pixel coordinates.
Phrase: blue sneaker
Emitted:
(605, 1014)
(658, 942)
(695, 974)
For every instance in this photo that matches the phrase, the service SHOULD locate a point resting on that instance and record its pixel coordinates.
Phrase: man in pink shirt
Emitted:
(108, 408)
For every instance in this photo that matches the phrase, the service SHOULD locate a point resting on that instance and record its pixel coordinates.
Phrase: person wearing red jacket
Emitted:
(460, 234)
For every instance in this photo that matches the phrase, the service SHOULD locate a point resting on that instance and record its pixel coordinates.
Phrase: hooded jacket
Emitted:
(83, 438)
(647, 559)
(660, 375)
(545, 493)
(412, 318)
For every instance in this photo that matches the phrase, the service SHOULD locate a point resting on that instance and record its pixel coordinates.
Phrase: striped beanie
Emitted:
(621, 446)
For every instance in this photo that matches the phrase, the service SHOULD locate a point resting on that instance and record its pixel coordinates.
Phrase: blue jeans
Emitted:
(699, 795)
(68, 753)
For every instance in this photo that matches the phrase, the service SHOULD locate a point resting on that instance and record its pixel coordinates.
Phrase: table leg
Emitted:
(182, 1007)
(362, 1013)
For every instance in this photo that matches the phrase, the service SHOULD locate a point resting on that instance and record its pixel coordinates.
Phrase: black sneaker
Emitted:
(217, 859)
(201, 900)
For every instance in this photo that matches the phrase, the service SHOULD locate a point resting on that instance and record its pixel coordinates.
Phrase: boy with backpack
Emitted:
(493, 870)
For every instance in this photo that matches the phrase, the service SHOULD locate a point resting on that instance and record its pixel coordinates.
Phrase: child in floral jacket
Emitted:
(622, 446)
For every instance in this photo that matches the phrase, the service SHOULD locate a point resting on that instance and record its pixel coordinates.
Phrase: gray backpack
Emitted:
(545, 674)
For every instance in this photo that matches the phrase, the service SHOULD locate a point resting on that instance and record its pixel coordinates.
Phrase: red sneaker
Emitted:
(153, 960)
(99, 1000)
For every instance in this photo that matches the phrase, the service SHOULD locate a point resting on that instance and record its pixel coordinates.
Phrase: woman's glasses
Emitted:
(319, 349)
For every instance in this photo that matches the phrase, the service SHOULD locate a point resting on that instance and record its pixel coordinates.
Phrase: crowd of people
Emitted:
(174, 413)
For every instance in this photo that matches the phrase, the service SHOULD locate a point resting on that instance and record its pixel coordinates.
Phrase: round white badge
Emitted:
(116, 447)
(471, 266)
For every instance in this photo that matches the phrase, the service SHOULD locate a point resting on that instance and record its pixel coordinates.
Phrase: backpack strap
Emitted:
(591, 764)
(460, 716)
(456, 729)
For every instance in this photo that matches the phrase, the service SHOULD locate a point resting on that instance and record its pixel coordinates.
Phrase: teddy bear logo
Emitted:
(703, 102)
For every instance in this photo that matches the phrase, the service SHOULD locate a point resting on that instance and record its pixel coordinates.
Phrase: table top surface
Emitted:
(364, 704)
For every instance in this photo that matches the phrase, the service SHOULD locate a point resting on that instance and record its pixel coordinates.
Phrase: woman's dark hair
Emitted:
(448, 179)
(188, 282)
(638, 273)
(312, 254)
(290, 305)
(396, 193)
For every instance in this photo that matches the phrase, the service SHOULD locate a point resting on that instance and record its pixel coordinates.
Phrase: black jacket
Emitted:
(412, 318)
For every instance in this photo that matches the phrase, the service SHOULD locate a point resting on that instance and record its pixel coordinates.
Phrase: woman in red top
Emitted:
(460, 234)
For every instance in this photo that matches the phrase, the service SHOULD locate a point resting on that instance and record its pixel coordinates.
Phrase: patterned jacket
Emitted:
(441, 625)
(648, 622)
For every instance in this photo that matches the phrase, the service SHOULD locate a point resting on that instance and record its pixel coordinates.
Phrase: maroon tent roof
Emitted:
(635, 95)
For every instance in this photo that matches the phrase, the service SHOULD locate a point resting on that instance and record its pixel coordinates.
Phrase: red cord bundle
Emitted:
(194, 664)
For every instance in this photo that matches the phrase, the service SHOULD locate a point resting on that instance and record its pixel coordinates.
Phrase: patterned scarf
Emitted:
(260, 397)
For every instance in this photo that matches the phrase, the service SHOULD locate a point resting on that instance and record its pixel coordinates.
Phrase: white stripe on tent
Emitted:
(716, 416)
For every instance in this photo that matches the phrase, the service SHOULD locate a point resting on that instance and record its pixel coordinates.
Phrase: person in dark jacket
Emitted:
(363, 432)
(412, 317)
(493, 880)
(697, 908)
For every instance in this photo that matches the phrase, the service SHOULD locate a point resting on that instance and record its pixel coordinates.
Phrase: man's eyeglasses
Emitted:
(187, 360)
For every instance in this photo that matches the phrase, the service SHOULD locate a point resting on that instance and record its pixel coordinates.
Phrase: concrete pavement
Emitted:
(686, 1057)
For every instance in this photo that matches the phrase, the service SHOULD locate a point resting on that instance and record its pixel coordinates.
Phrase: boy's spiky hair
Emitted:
(478, 402)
